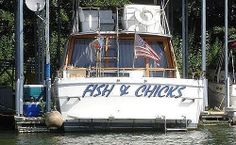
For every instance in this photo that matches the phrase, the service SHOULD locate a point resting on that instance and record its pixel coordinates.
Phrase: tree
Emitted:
(7, 42)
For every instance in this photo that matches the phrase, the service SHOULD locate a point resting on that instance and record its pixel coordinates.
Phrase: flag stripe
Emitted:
(142, 49)
(146, 51)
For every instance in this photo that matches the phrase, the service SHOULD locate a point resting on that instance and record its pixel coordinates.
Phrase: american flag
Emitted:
(142, 49)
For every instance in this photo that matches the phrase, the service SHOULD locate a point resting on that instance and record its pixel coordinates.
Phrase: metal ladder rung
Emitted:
(177, 128)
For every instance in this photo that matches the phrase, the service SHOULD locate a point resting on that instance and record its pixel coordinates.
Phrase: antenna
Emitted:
(35, 5)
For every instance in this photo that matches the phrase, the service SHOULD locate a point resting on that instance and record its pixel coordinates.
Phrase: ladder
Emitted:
(176, 124)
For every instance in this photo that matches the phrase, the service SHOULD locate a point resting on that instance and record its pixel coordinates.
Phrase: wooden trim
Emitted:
(147, 65)
(106, 51)
(70, 50)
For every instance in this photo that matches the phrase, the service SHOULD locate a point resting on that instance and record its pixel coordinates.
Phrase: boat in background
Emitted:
(216, 85)
(120, 72)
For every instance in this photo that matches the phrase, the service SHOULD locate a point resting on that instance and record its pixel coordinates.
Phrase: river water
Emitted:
(210, 135)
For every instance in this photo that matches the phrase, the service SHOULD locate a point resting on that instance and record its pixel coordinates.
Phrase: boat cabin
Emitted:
(102, 49)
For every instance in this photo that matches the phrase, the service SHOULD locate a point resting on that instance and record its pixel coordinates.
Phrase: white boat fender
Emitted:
(146, 16)
(53, 119)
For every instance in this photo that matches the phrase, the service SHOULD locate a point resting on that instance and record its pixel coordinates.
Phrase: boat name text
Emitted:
(146, 90)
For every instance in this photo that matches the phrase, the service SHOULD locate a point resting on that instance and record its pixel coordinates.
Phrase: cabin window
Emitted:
(109, 53)
(158, 48)
(84, 56)
(127, 57)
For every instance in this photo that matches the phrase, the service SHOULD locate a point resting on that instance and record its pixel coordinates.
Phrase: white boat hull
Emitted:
(128, 102)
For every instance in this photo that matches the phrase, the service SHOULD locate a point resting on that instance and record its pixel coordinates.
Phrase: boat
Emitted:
(216, 87)
(120, 72)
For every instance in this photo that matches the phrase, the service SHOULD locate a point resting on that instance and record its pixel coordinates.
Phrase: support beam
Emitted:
(47, 65)
(19, 58)
(185, 37)
(205, 101)
(204, 38)
(227, 100)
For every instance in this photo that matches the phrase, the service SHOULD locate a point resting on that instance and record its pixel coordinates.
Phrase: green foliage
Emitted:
(219, 32)
(195, 53)
(7, 16)
(213, 52)
(6, 78)
(217, 37)
(56, 50)
(214, 43)
(6, 46)
(232, 33)
(64, 16)
(178, 51)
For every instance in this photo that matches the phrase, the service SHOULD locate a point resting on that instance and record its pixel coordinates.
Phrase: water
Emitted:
(211, 135)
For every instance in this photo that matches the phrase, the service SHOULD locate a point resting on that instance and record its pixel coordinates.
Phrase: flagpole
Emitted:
(134, 46)
(117, 42)
(100, 50)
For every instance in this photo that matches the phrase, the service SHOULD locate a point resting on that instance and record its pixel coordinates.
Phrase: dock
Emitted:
(37, 124)
(30, 124)
(214, 118)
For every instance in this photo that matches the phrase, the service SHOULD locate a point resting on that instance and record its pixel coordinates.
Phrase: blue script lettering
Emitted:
(163, 91)
(179, 91)
(98, 90)
(146, 90)
(142, 89)
(172, 90)
(150, 90)
(159, 91)
(124, 90)
(90, 89)
(107, 90)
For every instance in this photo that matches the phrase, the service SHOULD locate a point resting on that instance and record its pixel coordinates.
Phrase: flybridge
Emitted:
(139, 18)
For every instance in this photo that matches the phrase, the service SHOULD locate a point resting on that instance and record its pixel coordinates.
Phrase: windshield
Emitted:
(116, 55)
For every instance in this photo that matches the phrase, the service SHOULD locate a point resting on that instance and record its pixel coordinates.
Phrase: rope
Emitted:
(165, 4)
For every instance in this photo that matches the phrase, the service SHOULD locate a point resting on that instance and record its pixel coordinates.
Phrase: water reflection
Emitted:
(173, 138)
(211, 135)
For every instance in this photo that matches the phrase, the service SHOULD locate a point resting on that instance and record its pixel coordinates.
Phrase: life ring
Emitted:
(146, 16)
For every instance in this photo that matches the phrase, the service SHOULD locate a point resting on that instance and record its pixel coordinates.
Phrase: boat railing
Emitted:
(118, 72)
